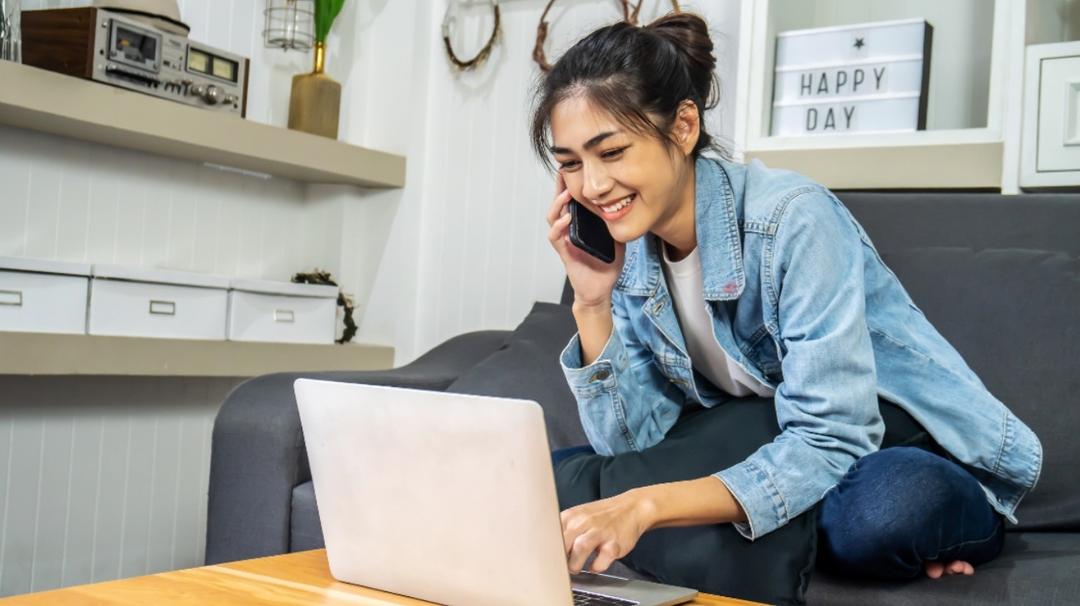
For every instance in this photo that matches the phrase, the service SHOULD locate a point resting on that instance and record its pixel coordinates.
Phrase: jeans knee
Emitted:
(921, 484)
(890, 502)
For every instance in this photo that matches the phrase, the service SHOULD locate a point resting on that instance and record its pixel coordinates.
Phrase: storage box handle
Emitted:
(11, 297)
(163, 308)
(285, 316)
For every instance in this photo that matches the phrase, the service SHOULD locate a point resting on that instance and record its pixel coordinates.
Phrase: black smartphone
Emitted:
(589, 233)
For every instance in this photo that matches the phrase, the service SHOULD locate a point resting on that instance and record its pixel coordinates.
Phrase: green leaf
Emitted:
(325, 13)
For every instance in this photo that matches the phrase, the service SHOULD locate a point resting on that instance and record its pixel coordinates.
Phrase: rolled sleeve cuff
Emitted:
(601, 373)
(758, 496)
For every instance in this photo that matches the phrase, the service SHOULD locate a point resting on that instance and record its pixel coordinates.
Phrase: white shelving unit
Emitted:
(974, 130)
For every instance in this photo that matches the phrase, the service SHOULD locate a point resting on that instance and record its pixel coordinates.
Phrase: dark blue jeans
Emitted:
(899, 508)
(896, 509)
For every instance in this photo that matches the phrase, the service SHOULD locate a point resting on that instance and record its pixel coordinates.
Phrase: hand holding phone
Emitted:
(593, 259)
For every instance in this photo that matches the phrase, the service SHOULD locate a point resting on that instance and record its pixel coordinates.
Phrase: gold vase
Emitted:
(315, 102)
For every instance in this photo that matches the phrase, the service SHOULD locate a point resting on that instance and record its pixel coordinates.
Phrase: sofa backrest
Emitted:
(999, 277)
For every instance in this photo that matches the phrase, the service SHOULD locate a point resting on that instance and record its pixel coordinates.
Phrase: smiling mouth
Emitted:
(611, 209)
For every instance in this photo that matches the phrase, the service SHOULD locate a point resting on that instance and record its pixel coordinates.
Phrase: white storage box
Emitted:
(869, 77)
(137, 302)
(37, 295)
(282, 312)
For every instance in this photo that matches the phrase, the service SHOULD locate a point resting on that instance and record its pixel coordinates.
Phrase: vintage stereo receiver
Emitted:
(110, 47)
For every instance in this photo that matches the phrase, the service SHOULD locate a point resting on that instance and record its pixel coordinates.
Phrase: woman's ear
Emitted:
(687, 126)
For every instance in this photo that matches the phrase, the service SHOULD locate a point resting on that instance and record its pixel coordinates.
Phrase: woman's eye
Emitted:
(614, 153)
(568, 165)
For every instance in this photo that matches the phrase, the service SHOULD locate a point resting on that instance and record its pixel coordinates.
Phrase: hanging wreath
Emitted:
(484, 52)
(318, 276)
(630, 15)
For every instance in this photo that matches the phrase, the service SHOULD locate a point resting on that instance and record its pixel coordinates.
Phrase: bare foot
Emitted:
(935, 570)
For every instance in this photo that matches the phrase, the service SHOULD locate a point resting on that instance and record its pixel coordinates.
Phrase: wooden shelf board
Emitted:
(41, 100)
(943, 165)
(55, 354)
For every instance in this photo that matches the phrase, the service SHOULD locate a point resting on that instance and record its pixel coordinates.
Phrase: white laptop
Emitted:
(448, 498)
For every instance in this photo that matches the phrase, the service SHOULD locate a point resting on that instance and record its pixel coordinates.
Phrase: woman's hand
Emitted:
(610, 527)
(592, 279)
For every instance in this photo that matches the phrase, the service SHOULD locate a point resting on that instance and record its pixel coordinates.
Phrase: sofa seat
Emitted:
(1035, 568)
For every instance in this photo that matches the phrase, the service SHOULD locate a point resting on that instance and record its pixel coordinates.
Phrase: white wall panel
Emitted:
(104, 477)
(487, 257)
(81, 201)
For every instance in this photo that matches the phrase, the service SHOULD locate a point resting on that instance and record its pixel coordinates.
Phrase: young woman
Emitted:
(734, 280)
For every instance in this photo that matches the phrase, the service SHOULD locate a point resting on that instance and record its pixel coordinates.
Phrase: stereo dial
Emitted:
(213, 95)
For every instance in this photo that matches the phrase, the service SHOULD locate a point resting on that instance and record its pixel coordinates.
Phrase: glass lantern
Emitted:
(290, 24)
(10, 38)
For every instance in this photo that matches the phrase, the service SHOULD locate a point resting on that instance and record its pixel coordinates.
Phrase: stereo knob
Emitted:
(213, 95)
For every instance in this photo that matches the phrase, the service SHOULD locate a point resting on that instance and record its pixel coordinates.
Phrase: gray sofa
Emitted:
(998, 275)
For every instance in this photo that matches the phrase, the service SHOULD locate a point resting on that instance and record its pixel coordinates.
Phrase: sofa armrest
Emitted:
(258, 455)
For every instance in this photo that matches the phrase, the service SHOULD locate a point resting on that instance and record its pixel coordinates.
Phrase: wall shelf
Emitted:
(41, 100)
(970, 159)
(54, 354)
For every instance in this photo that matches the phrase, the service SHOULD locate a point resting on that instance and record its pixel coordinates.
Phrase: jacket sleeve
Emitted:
(625, 402)
(826, 405)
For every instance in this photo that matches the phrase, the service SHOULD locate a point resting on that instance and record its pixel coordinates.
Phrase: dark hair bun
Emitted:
(642, 76)
(689, 34)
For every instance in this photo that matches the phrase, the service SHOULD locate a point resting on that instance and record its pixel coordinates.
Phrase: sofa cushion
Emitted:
(527, 367)
(1034, 569)
(999, 277)
(305, 530)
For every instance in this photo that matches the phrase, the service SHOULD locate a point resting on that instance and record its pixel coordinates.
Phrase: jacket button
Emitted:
(600, 375)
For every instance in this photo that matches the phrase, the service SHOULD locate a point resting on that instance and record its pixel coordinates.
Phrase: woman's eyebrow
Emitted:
(591, 143)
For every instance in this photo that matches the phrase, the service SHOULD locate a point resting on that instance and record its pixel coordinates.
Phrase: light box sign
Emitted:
(870, 77)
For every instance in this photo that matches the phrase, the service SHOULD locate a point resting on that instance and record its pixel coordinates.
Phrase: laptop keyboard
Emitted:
(584, 598)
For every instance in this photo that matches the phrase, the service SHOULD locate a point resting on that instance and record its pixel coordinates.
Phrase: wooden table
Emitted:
(296, 578)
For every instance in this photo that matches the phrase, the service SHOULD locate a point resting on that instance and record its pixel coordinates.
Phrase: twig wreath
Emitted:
(484, 52)
(318, 276)
(630, 15)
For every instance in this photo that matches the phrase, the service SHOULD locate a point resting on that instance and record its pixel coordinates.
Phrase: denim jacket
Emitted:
(801, 300)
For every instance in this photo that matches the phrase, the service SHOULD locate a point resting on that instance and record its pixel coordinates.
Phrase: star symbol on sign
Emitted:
(860, 42)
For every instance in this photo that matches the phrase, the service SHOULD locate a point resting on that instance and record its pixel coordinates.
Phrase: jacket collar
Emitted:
(718, 240)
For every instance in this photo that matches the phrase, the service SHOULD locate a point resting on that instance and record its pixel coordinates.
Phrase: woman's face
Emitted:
(631, 180)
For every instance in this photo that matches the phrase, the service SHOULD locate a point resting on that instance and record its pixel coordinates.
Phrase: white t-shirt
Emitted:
(688, 297)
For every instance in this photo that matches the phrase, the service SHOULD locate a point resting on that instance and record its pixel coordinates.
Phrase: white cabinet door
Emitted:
(1059, 115)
